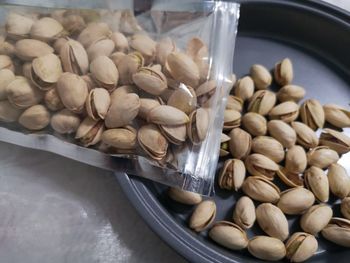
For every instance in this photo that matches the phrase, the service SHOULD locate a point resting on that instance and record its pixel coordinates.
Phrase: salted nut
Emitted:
(28, 49)
(120, 138)
(233, 103)
(46, 29)
(89, 132)
(301, 246)
(35, 118)
(175, 134)
(286, 111)
(184, 99)
(93, 32)
(232, 119)
(184, 197)
(101, 47)
(167, 115)
(261, 189)
(152, 81)
(295, 201)
(104, 72)
(306, 137)
(339, 180)
(143, 44)
(291, 93)
(260, 165)
(8, 113)
(284, 72)
(232, 175)
(97, 103)
(261, 76)
(335, 140)
(6, 77)
(267, 248)
(268, 147)
(336, 115)
(224, 148)
(244, 213)
(18, 26)
(316, 218)
(254, 123)
(296, 160)
(282, 132)
(240, 143)
(120, 42)
(322, 157)
(262, 102)
(338, 231)
(152, 141)
(289, 178)
(146, 105)
(198, 125)
(74, 57)
(203, 215)
(317, 182)
(244, 88)
(312, 114)
(65, 122)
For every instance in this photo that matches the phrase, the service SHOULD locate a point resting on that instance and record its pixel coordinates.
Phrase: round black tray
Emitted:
(316, 36)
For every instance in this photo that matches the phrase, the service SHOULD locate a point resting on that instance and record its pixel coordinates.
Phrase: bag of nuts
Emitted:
(139, 94)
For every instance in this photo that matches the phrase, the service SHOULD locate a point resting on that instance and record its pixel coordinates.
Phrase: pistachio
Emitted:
(296, 160)
(240, 143)
(205, 91)
(338, 231)
(143, 44)
(197, 127)
(58, 44)
(198, 51)
(282, 132)
(120, 42)
(317, 182)
(203, 215)
(234, 103)
(244, 213)
(286, 111)
(6, 48)
(335, 140)
(262, 102)
(6, 63)
(269, 147)
(267, 248)
(229, 235)
(28, 49)
(345, 207)
(183, 99)
(120, 138)
(312, 114)
(174, 134)
(316, 218)
(260, 165)
(93, 32)
(261, 189)
(291, 93)
(301, 246)
(284, 72)
(167, 115)
(35, 118)
(322, 157)
(272, 221)
(104, 72)
(8, 113)
(74, 57)
(339, 181)
(152, 141)
(18, 26)
(122, 90)
(254, 123)
(129, 65)
(46, 29)
(184, 197)
(89, 132)
(97, 103)
(224, 145)
(150, 80)
(163, 48)
(101, 47)
(65, 122)
(232, 119)
(232, 175)
(6, 77)
(289, 178)
(27, 70)
(336, 115)
(52, 100)
(244, 88)
(117, 57)
(146, 105)
(261, 76)
(73, 23)
(295, 201)
(306, 137)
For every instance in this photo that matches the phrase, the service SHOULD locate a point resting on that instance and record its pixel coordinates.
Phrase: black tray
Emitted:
(316, 36)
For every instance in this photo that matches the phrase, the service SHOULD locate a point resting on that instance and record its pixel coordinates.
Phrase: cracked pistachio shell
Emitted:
(272, 221)
(316, 218)
(337, 115)
(268, 147)
(234, 103)
(317, 182)
(146, 105)
(312, 114)
(240, 143)
(8, 113)
(261, 189)
(6, 77)
(229, 235)
(260, 165)
(35, 118)
(232, 175)
(89, 132)
(152, 141)
(295, 201)
(74, 57)
(28, 49)
(101, 47)
(104, 72)
(267, 248)
(282, 132)
(52, 100)
(296, 160)
(284, 72)
(197, 127)
(167, 115)
(97, 103)
(65, 122)
(244, 213)
(261, 76)
(322, 157)
(120, 42)
(203, 215)
(143, 44)
(300, 247)
(174, 134)
(289, 178)
(244, 88)
(224, 145)
(339, 180)
(184, 197)
(129, 65)
(262, 102)
(6, 63)
(120, 138)
(335, 140)
(73, 91)
(232, 119)
(46, 29)
(306, 137)
(163, 48)
(205, 91)
(152, 81)
(291, 93)
(286, 111)
(345, 207)
(183, 99)
(18, 26)
(254, 123)
(338, 231)
(93, 32)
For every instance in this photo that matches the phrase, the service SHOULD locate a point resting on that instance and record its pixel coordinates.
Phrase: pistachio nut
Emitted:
(152, 141)
(262, 102)
(232, 175)
(122, 90)
(286, 111)
(198, 51)
(89, 132)
(312, 114)
(229, 235)
(316, 218)
(163, 48)
(197, 127)
(146, 105)
(224, 151)
(284, 72)
(65, 122)
(28, 49)
(27, 70)
(272, 221)
(289, 178)
(335, 140)
(52, 100)
(129, 65)
(234, 103)
(261, 76)
(58, 44)
(261, 189)
(101, 47)
(120, 138)
(296, 160)
(240, 143)
(73, 91)
(269, 147)
(92, 32)
(6, 48)
(73, 23)
(336, 115)
(282, 132)
(203, 215)
(301, 246)
(18, 25)
(46, 29)
(205, 91)
(8, 113)
(6, 63)
(74, 57)
(317, 182)
(322, 157)
(339, 181)
(150, 80)
(120, 42)
(306, 137)
(244, 212)
(104, 72)
(6, 77)
(338, 231)
(35, 118)
(97, 103)
(184, 99)
(167, 115)
(345, 207)
(295, 201)
(254, 123)
(174, 134)
(144, 44)
(260, 165)
(117, 57)
(184, 197)
(244, 88)
(232, 119)
(267, 248)
(291, 93)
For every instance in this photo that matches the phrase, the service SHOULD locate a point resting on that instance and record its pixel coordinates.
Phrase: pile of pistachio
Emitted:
(131, 93)
(271, 138)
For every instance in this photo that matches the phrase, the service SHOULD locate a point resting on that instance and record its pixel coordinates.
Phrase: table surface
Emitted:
(57, 210)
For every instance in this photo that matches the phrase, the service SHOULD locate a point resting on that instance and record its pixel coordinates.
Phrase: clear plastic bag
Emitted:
(146, 97)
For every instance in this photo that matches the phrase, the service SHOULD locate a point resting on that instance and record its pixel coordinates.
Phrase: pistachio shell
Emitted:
(89, 132)
(224, 145)
(296, 160)
(101, 47)
(58, 44)
(143, 44)
(6, 77)
(266, 248)
(284, 72)
(122, 90)
(335, 140)
(203, 215)
(129, 65)
(93, 32)
(289, 178)
(316, 218)
(244, 88)
(232, 175)
(27, 70)
(345, 207)
(317, 182)
(117, 57)
(197, 127)
(120, 138)
(167, 115)
(262, 102)
(150, 80)
(254, 123)
(322, 157)
(74, 57)
(286, 111)
(312, 114)
(268, 147)
(295, 201)
(73, 23)
(232, 119)
(65, 122)
(291, 93)
(282, 132)
(261, 189)
(336, 115)
(261, 76)
(97, 103)
(46, 29)
(6, 48)
(244, 212)
(120, 42)
(8, 113)
(260, 165)
(240, 143)
(338, 231)
(28, 49)
(301, 246)
(163, 48)
(184, 197)
(52, 100)
(174, 134)
(152, 141)
(306, 137)
(183, 99)
(205, 91)
(6, 63)
(145, 106)
(104, 72)
(35, 118)
(18, 25)
(233, 103)
(339, 181)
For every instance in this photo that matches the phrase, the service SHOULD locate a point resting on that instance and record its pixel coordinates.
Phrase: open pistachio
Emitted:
(129, 65)
(46, 29)
(306, 137)
(232, 175)
(234, 103)
(6, 77)
(261, 189)
(291, 93)
(282, 132)
(65, 122)
(197, 127)
(163, 48)
(6, 63)
(317, 182)
(254, 123)
(267, 248)
(240, 143)
(104, 72)
(150, 80)
(289, 178)
(143, 44)
(120, 138)
(316, 218)
(286, 111)
(229, 235)
(120, 42)
(183, 99)
(261, 76)
(97, 103)
(101, 47)
(74, 57)
(35, 118)
(345, 207)
(312, 114)
(152, 141)
(262, 102)
(18, 25)
(28, 49)
(8, 113)
(167, 115)
(224, 148)
(335, 140)
(260, 165)
(93, 32)
(244, 88)
(268, 147)
(52, 100)
(232, 119)
(146, 105)
(89, 132)
(203, 215)
(296, 160)
(184, 197)
(175, 134)
(338, 231)
(295, 201)
(284, 72)
(336, 115)
(301, 246)
(244, 212)
(322, 157)
(339, 181)
(205, 92)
